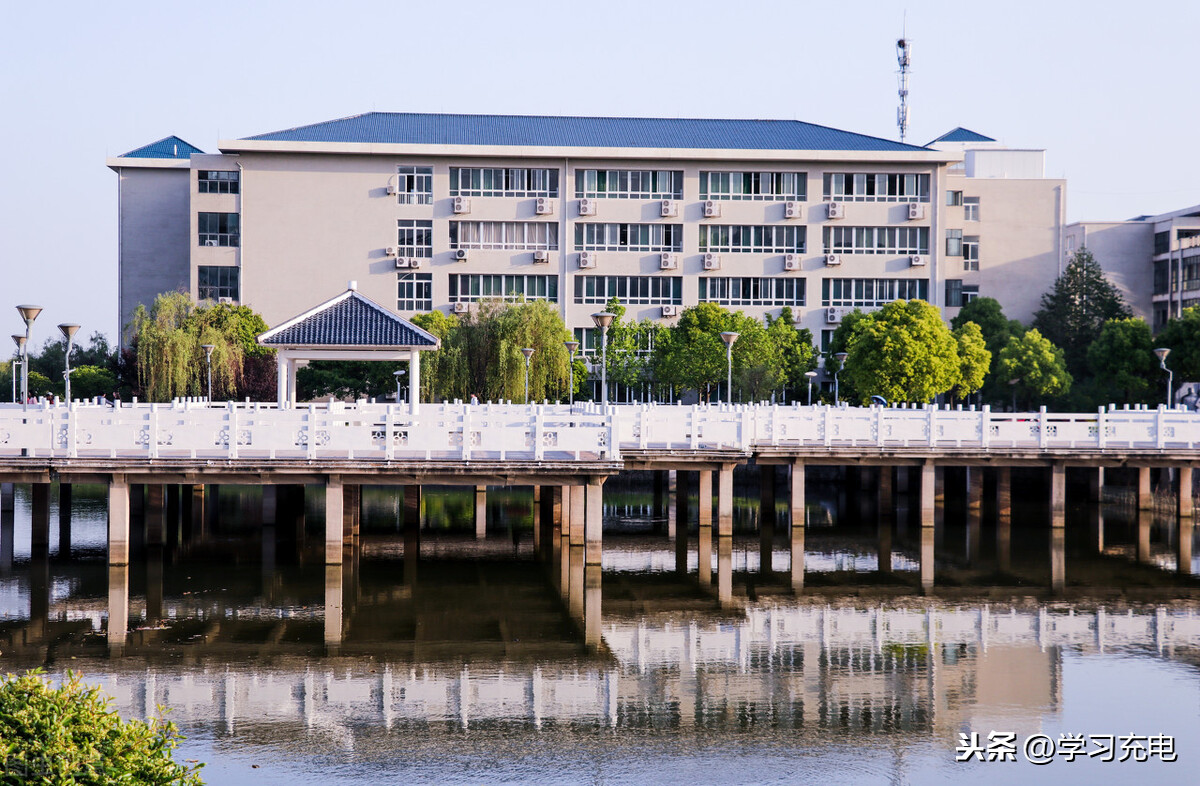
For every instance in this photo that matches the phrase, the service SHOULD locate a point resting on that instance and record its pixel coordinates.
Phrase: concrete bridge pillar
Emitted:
(155, 514)
(705, 499)
(672, 502)
(1004, 517)
(335, 504)
(1145, 495)
(1186, 501)
(270, 504)
(412, 507)
(564, 523)
(118, 600)
(576, 570)
(579, 503)
(212, 510)
(798, 515)
(480, 512)
(660, 495)
(536, 518)
(725, 501)
(974, 488)
(6, 497)
(594, 519)
(766, 519)
(39, 540)
(1095, 481)
(1058, 495)
(929, 493)
(680, 520)
(64, 520)
(193, 511)
(174, 493)
(1096, 527)
(887, 516)
(118, 521)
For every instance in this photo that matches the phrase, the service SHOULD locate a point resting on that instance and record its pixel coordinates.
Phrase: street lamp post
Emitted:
(28, 313)
(19, 340)
(208, 348)
(1014, 383)
(603, 319)
(729, 337)
(1162, 353)
(571, 347)
(811, 376)
(840, 357)
(68, 331)
(528, 353)
(398, 375)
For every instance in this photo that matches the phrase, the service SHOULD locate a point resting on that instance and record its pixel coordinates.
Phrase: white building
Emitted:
(437, 211)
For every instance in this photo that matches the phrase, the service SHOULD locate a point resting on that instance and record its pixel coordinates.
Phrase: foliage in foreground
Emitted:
(69, 735)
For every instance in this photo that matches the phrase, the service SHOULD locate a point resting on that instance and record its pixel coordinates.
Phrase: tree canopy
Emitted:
(1074, 311)
(903, 352)
(1123, 365)
(1034, 367)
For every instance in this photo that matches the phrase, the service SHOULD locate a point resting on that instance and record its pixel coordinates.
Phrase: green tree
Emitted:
(974, 359)
(996, 328)
(1123, 365)
(840, 342)
(903, 352)
(348, 379)
(794, 350)
(488, 345)
(1035, 367)
(629, 347)
(690, 355)
(1074, 311)
(91, 381)
(69, 734)
(1182, 336)
(438, 367)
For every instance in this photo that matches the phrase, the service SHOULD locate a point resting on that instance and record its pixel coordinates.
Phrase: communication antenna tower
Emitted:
(904, 58)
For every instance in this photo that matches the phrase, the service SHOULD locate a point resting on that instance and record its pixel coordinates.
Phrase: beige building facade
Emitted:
(439, 211)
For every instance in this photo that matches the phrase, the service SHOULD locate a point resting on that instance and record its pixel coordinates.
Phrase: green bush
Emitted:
(69, 735)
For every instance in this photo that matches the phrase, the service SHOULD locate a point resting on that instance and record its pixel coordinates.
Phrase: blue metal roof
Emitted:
(167, 147)
(961, 134)
(349, 320)
(539, 131)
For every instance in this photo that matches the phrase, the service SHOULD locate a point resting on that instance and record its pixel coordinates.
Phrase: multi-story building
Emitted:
(1153, 260)
(438, 211)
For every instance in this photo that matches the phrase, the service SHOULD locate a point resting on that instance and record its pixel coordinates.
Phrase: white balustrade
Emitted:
(380, 432)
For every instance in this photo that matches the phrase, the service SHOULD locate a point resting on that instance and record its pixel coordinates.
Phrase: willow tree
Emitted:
(169, 339)
(485, 349)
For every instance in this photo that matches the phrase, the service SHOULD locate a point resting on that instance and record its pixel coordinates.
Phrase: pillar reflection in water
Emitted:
(592, 607)
(8, 533)
(886, 508)
(799, 520)
(1058, 559)
(704, 546)
(64, 520)
(725, 571)
(927, 544)
(1145, 518)
(974, 514)
(334, 596)
(682, 520)
(1183, 546)
(575, 577)
(1004, 518)
(154, 584)
(766, 520)
(118, 608)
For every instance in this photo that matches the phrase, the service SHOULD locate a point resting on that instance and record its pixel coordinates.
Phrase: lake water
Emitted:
(477, 662)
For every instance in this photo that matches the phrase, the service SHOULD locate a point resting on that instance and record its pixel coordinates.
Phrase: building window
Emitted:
(214, 283)
(414, 185)
(970, 208)
(954, 243)
(469, 287)
(775, 186)
(970, 252)
(217, 182)
(752, 291)
(771, 239)
(958, 294)
(1162, 242)
(876, 240)
(954, 199)
(219, 229)
(632, 290)
(628, 237)
(871, 292)
(504, 235)
(826, 341)
(628, 184)
(863, 187)
(496, 182)
(414, 238)
(414, 291)
(589, 341)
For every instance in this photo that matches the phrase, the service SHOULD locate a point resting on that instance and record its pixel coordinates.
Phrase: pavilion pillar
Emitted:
(414, 380)
(281, 380)
(291, 383)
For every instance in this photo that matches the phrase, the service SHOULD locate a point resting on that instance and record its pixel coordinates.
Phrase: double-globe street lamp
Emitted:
(528, 353)
(19, 340)
(840, 357)
(571, 346)
(729, 337)
(68, 330)
(28, 313)
(1162, 353)
(603, 319)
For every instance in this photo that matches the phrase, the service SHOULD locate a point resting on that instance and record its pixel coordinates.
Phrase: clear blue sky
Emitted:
(1107, 88)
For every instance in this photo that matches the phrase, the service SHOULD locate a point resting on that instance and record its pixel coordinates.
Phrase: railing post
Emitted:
(389, 428)
(1100, 428)
(879, 426)
(985, 426)
(465, 424)
(152, 432)
(931, 413)
(311, 432)
(72, 415)
(694, 427)
(828, 425)
(536, 430)
(643, 427)
(233, 430)
(1042, 436)
(1159, 434)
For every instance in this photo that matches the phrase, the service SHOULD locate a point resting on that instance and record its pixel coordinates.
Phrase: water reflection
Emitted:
(429, 639)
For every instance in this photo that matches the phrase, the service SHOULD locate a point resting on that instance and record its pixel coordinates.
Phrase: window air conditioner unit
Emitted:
(712, 262)
(832, 316)
(916, 211)
(401, 261)
(415, 262)
(461, 255)
(462, 308)
(541, 256)
(587, 207)
(712, 208)
(916, 261)
(392, 190)
(226, 300)
(670, 208)
(210, 242)
(667, 262)
(791, 210)
(835, 210)
(544, 207)
(587, 259)
(670, 311)
(833, 259)
(390, 251)
(462, 205)
(791, 261)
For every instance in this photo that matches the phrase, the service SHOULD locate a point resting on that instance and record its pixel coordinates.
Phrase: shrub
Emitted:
(68, 734)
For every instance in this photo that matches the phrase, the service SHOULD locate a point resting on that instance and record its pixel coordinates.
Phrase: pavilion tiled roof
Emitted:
(349, 321)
